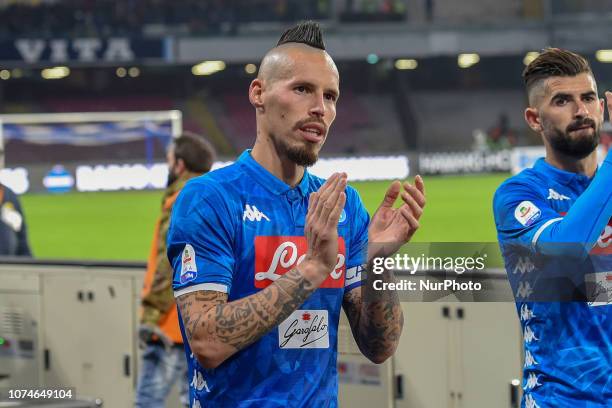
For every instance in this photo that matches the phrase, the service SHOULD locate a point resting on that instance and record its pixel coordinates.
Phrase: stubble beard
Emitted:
(305, 155)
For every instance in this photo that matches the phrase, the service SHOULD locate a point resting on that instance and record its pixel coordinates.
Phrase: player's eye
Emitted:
(588, 98)
(300, 89)
(561, 101)
(330, 97)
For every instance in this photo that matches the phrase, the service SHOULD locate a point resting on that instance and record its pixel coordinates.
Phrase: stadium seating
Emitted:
(105, 18)
(449, 119)
(364, 123)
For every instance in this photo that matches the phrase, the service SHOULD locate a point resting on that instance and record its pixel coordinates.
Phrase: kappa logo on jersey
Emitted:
(529, 335)
(524, 290)
(529, 360)
(198, 382)
(527, 213)
(523, 266)
(532, 382)
(553, 195)
(530, 402)
(526, 313)
(251, 213)
(304, 329)
(189, 270)
(276, 255)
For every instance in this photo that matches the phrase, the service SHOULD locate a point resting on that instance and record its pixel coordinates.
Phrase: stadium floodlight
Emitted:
(55, 72)
(604, 56)
(121, 72)
(529, 57)
(208, 67)
(5, 74)
(250, 68)
(134, 72)
(467, 60)
(406, 64)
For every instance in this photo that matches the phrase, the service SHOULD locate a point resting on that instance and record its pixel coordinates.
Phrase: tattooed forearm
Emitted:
(209, 319)
(376, 319)
(194, 305)
(242, 322)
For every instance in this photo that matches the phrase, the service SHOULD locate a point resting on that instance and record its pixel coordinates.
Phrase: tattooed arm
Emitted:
(376, 318)
(216, 329)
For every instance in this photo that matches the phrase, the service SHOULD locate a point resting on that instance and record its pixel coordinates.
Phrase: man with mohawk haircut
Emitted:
(266, 254)
(557, 216)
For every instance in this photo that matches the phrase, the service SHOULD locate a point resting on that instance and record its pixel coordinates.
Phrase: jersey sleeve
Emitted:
(588, 216)
(200, 240)
(523, 215)
(358, 246)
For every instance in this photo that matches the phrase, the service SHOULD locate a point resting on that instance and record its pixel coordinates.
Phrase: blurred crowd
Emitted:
(53, 18)
(131, 17)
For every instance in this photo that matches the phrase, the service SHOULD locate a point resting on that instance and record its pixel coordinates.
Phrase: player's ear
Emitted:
(533, 119)
(255, 94)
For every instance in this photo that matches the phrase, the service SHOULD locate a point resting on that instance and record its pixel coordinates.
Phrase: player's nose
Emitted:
(581, 110)
(318, 105)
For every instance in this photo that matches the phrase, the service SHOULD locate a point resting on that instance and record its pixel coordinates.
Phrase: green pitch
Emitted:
(119, 225)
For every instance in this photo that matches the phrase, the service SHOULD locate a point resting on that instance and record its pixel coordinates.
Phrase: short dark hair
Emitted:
(305, 32)
(196, 152)
(554, 62)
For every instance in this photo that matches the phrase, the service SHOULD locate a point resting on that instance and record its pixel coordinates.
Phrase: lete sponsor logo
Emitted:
(189, 270)
(604, 243)
(277, 255)
(304, 329)
(527, 213)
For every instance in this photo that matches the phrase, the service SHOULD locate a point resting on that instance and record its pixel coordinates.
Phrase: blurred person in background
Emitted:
(501, 136)
(557, 216)
(13, 230)
(163, 361)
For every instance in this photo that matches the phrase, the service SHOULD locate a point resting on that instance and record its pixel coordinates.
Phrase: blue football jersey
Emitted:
(568, 345)
(236, 230)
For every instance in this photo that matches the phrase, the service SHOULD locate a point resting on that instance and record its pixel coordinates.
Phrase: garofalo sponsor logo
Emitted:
(305, 329)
